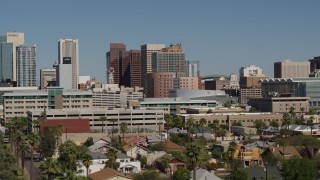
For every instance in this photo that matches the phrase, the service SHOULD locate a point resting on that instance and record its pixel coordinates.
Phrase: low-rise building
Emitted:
(17, 103)
(174, 164)
(243, 131)
(109, 174)
(137, 120)
(279, 104)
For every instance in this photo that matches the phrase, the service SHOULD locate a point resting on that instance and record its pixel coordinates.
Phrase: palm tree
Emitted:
(113, 121)
(123, 129)
(87, 161)
(23, 147)
(19, 138)
(50, 167)
(203, 122)
(286, 119)
(58, 130)
(193, 152)
(33, 140)
(112, 156)
(302, 110)
(189, 124)
(311, 123)
(102, 119)
(36, 124)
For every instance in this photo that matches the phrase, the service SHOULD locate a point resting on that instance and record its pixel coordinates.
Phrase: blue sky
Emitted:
(222, 35)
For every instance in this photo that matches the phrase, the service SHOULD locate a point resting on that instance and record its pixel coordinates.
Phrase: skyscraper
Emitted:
(170, 59)
(17, 39)
(193, 68)
(146, 59)
(6, 60)
(68, 53)
(26, 66)
(290, 69)
(135, 67)
(115, 56)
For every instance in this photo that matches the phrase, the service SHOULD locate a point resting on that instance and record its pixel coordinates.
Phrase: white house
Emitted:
(134, 150)
(128, 165)
(98, 163)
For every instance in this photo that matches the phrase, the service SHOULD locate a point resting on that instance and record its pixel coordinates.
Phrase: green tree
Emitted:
(239, 174)
(47, 142)
(193, 151)
(123, 129)
(189, 124)
(112, 156)
(227, 104)
(252, 109)
(23, 147)
(296, 168)
(181, 174)
(302, 110)
(310, 123)
(259, 124)
(50, 168)
(113, 121)
(274, 124)
(33, 140)
(87, 161)
(69, 154)
(143, 161)
(236, 123)
(103, 119)
(292, 112)
(202, 122)
(214, 125)
(147, 175)
(88, 142)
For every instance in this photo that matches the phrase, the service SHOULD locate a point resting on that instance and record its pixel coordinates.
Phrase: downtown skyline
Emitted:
(218, 34)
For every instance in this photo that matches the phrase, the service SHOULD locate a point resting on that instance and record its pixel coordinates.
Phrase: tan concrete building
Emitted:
(191, 83)
(159, 84)
(280, 104)
(251, 82)
(17, 103)
(47, 77)
(217, 84)
(289, 69)
(246, 94)
(246, 119)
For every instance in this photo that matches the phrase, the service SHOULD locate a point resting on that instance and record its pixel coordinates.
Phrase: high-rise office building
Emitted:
(17, 39)
(6, 60)
(290, 69)
(170, 59)
(115, 56)
(146, 59)
(68, 53)
(26, 66)
(135, 68)
(47, 77)
(193, 68)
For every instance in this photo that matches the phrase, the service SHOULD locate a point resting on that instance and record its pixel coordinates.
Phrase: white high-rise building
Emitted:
(26, 66)
(146, 59)
(193, 68)
(17, 39)
(251, 71)
(68, 53)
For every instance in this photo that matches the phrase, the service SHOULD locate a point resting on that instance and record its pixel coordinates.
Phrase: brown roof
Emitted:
(287, 151)
(106, 174)
(128, 147)
(171, 146)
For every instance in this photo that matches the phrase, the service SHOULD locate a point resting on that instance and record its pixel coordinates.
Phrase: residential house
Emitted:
(174, 164)
(284, 152)
(177, 131)
(305, 130)
(133, 150)
(98, 163)
(154, 139)
(260, 173)
(152, 156)
(203, 174)
(109, 174)
(170, 146)
(140, 140)
(250, 156)
(127, 164)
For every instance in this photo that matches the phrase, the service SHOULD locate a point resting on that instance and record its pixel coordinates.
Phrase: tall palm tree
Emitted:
(19, 138)
(103, 119)
(50, 167)
(193, 152)
(35, 125)
(58, 130)
(311, 123)
(202, 122)
(23, 147)
(123, 129)
(33, 140)
(189, 124)
(112, 156)
(87, 161)
(113, 121)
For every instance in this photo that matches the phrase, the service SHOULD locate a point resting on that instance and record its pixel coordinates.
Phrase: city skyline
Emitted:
(218, 34)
